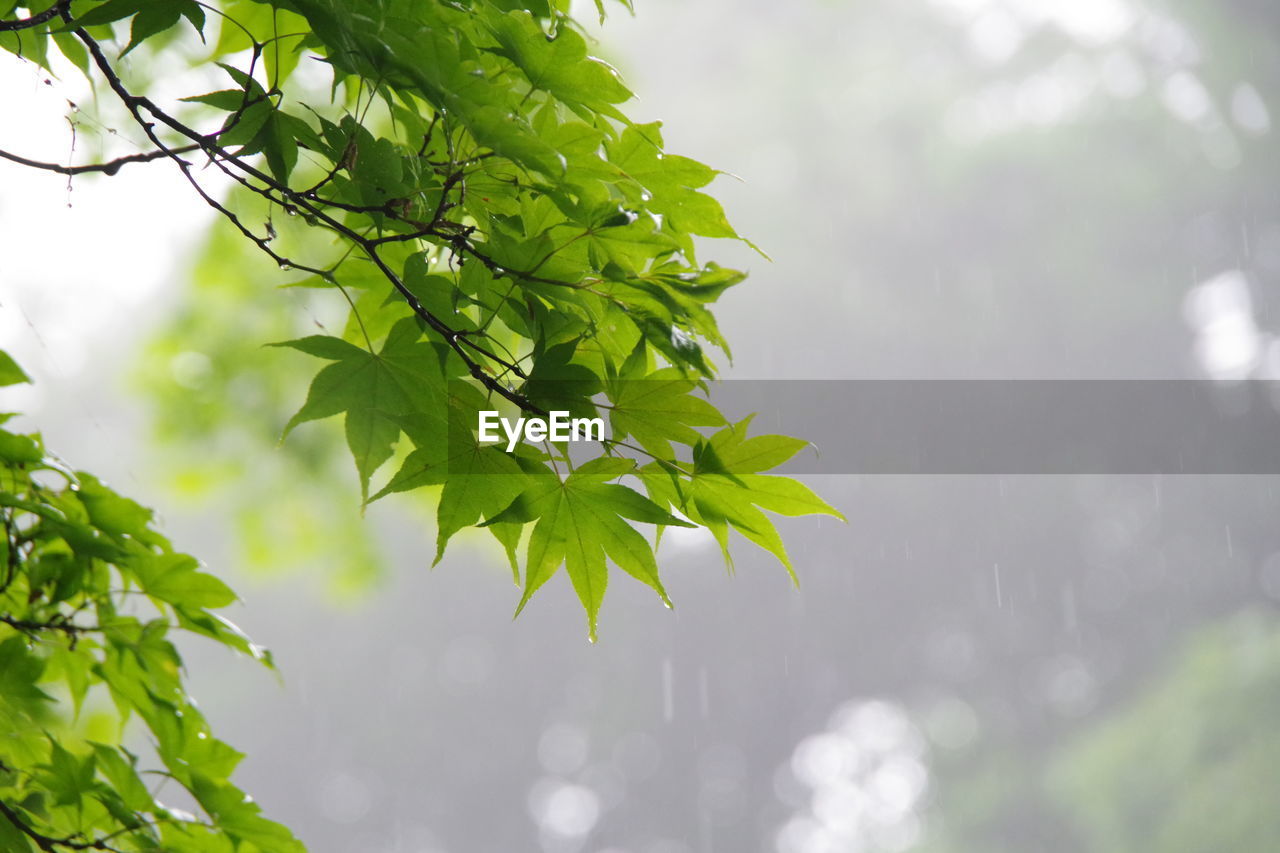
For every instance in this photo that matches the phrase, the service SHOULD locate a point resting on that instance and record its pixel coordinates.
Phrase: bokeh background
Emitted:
(948, 189)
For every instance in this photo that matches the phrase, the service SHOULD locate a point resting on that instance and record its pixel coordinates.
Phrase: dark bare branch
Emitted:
(35, 20)
(108, 168)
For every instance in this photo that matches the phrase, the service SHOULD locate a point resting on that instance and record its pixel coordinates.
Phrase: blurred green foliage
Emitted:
(1190, 763)
(1185, 762)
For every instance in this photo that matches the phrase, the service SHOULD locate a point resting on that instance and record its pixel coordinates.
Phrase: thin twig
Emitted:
(35, 20)
(281, 194)
(48, 842)
(108, 168)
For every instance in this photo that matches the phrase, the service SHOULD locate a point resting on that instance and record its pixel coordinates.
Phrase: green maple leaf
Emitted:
(581, 521)
(559, 65)
(479, 480)
(659, 409)
(402, 378)
(10, 372)
(671, 180)
(726, 490)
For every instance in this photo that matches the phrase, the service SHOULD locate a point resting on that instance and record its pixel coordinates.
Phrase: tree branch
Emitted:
(48, 842)
(35, 20)
(108, 168)
(459, 342)
(29, 627)
(12, 552)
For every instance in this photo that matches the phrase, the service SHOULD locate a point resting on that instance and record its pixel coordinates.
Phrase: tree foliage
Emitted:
(465, 180)
(505, 236)
(90, 596)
